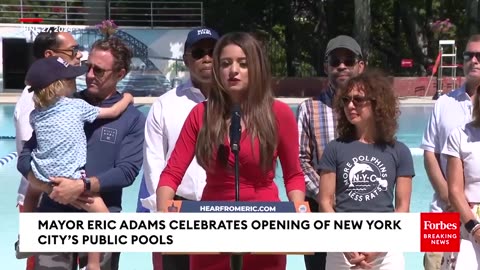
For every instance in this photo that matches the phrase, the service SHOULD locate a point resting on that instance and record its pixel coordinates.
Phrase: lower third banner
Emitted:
(239, 232)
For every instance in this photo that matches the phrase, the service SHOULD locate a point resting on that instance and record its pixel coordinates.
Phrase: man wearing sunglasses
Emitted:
(114, 151)
(317, 121)
(46, 44)
(163, 125)
(450, 111)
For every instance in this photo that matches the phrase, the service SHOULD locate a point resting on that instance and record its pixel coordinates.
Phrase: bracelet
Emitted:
(476, 228)
(470, 225)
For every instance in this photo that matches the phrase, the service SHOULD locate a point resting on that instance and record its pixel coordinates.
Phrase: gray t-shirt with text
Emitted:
(366, 174)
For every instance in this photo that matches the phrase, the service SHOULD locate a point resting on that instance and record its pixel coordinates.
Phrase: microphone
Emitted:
(236, 260)
(235, 128)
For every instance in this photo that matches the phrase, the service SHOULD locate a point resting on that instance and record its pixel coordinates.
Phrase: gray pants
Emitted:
(71, 261)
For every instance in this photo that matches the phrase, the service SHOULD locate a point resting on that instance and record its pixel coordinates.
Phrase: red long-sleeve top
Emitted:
(255, 185)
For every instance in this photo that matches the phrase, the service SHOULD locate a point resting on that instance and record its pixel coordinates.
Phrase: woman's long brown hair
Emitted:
(257, 110)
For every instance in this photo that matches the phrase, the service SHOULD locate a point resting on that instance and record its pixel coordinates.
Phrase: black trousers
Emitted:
(318, 259)
(176, 262)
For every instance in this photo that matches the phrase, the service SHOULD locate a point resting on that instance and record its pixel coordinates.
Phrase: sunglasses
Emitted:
(468, 56)
(199, 53)
(97, 71)
(348, 61)
(358, 101)
(73, 51)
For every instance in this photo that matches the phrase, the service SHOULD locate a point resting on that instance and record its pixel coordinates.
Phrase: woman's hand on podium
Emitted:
(164, 196)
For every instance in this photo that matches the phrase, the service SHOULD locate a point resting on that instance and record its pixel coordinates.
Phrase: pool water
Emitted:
(412, 123)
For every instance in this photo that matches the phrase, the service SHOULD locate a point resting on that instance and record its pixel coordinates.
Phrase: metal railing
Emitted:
(88, 12)
(165, 14)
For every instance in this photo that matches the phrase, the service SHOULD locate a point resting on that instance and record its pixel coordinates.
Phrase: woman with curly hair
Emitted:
(365, 168)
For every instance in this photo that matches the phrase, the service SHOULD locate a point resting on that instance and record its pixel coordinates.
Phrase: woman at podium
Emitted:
(366, 169)
(266, 130)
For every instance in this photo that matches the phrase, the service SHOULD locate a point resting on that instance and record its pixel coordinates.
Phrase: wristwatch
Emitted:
(87, 184)
(471, 224)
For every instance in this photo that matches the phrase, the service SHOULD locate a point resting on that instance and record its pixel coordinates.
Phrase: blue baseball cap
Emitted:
(198, 34)
(46, 71)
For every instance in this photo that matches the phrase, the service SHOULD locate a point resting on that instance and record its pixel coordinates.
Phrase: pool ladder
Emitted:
(448, 60)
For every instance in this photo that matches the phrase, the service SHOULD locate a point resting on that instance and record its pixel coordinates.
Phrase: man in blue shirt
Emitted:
(114, 151)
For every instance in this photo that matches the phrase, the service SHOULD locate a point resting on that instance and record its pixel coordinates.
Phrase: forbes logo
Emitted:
(428, 225)
(440, 232)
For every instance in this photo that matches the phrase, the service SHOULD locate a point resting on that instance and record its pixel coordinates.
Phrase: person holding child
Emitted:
(114, 152)
(58, 122)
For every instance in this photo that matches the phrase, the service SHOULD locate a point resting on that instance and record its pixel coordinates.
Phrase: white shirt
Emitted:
(23, 132)
(162, 129)
(450, 111)
(464, 143)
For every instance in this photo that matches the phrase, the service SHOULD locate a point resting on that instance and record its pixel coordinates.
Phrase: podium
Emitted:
(236, 261)
(236, 207)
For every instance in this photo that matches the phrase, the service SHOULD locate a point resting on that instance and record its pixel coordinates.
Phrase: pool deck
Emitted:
(11, 98)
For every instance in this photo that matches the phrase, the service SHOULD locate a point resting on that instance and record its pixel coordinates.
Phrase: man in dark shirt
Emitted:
(114, 151)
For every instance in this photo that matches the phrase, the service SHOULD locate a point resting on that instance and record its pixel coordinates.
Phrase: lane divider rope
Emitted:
(8, 158)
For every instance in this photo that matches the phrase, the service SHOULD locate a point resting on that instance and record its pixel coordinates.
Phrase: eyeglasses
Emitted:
(468, 56)
(97, 71)
(347, 61)
(199, 53)
(73, 51)
(358, 101)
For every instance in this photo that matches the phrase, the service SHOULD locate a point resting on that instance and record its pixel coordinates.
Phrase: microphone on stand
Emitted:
(235, 128)
(236, 260)
(235, 134)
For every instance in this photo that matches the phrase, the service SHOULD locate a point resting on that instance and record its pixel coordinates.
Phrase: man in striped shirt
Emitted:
(317, 121)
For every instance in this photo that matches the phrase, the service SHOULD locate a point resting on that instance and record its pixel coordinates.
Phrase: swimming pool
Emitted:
(412, 123)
